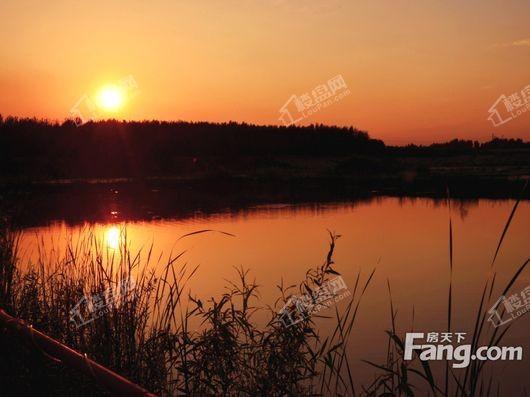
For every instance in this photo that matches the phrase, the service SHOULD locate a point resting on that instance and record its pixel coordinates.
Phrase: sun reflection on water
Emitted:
(112, 237)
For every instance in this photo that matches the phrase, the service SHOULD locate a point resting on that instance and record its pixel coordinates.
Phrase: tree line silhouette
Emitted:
(36, 148)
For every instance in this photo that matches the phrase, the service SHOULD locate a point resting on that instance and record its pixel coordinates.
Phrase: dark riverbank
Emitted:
(40, 151)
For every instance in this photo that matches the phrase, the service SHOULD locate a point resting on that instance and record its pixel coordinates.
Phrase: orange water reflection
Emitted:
(406, 240)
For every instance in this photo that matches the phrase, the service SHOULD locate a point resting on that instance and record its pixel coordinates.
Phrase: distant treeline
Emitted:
(460, 146)
(39, 148)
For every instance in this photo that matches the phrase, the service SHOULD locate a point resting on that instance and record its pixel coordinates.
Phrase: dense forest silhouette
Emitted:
(40, 149)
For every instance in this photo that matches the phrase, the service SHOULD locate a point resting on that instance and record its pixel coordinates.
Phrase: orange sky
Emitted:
(421, 71)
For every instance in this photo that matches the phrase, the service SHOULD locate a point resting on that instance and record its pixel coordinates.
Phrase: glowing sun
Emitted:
(110, 98)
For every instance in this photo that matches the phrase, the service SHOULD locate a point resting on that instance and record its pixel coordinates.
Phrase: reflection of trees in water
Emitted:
(136, 203)
(459, 206)
(103, 204)
(462, 207)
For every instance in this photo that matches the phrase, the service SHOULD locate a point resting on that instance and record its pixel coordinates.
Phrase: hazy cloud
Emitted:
(310, 6)
(521, 43)
(516, 43)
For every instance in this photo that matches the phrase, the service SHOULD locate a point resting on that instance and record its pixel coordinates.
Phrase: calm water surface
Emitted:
(406, 240)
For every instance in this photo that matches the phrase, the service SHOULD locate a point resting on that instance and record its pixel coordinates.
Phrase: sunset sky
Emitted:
(420, 71)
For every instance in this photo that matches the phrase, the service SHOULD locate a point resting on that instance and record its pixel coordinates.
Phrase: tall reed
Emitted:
(174, 343)
(400, 378)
